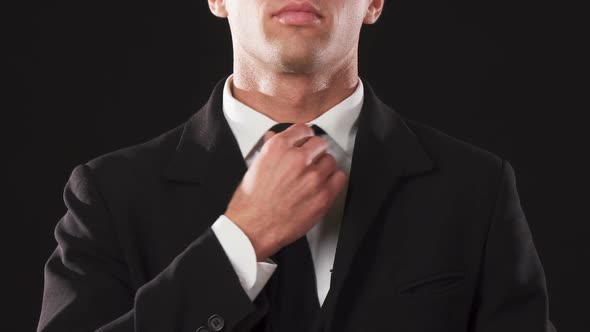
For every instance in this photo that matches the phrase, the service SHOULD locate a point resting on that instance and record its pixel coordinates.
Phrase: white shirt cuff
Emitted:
(253, 275)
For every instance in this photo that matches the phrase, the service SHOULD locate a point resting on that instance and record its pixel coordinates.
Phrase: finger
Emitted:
(296, 132)
(313, 148)
(267, 136)
(336, 182)
(325, 164)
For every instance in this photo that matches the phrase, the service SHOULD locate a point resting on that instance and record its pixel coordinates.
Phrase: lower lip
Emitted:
(298, 18)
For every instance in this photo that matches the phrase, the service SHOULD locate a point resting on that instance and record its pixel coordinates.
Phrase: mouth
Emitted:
(300, 14)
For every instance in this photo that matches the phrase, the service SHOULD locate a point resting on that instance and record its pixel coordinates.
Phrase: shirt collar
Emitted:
(248, 125)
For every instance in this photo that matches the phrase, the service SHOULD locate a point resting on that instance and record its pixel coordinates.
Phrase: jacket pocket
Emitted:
(435, 284)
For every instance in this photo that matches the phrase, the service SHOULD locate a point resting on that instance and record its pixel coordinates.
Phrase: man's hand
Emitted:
(287, 189)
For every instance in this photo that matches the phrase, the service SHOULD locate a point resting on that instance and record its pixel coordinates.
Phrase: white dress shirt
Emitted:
(248, 126)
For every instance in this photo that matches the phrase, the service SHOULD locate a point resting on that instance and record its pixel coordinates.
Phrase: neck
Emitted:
(293, 97)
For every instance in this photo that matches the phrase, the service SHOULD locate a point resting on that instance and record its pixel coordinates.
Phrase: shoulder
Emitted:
(138, 163)
(463, 172)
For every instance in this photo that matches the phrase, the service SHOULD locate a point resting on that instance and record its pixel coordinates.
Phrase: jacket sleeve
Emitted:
(87, 283)
(512, 294)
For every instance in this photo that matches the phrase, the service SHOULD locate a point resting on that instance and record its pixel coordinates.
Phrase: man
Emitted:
(246, 219)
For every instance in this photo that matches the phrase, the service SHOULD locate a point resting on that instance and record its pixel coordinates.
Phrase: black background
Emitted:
(101, 75)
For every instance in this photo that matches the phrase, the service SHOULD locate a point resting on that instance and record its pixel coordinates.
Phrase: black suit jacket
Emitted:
(433, 237)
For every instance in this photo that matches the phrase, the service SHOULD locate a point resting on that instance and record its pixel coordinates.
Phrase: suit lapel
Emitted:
(385, 151)
(208, 153)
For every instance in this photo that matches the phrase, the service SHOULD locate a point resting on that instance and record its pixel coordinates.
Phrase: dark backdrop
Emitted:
(101, 75)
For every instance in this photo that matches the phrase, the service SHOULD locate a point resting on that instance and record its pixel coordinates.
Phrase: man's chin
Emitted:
(298, 60)
(298, 66)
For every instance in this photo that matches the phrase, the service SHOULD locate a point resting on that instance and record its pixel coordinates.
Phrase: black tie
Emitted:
(292, 288)
(284, 125)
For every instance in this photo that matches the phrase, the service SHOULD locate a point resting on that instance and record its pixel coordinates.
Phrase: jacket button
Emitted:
(216, 323)
(203, 329)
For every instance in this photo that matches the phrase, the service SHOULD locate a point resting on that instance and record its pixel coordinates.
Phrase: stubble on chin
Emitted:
(294, 58)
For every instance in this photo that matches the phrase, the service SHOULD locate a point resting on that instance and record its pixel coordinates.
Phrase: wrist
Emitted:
(259, 240)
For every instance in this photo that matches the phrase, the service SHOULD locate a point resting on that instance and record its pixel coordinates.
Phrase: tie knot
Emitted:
(284, 125)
